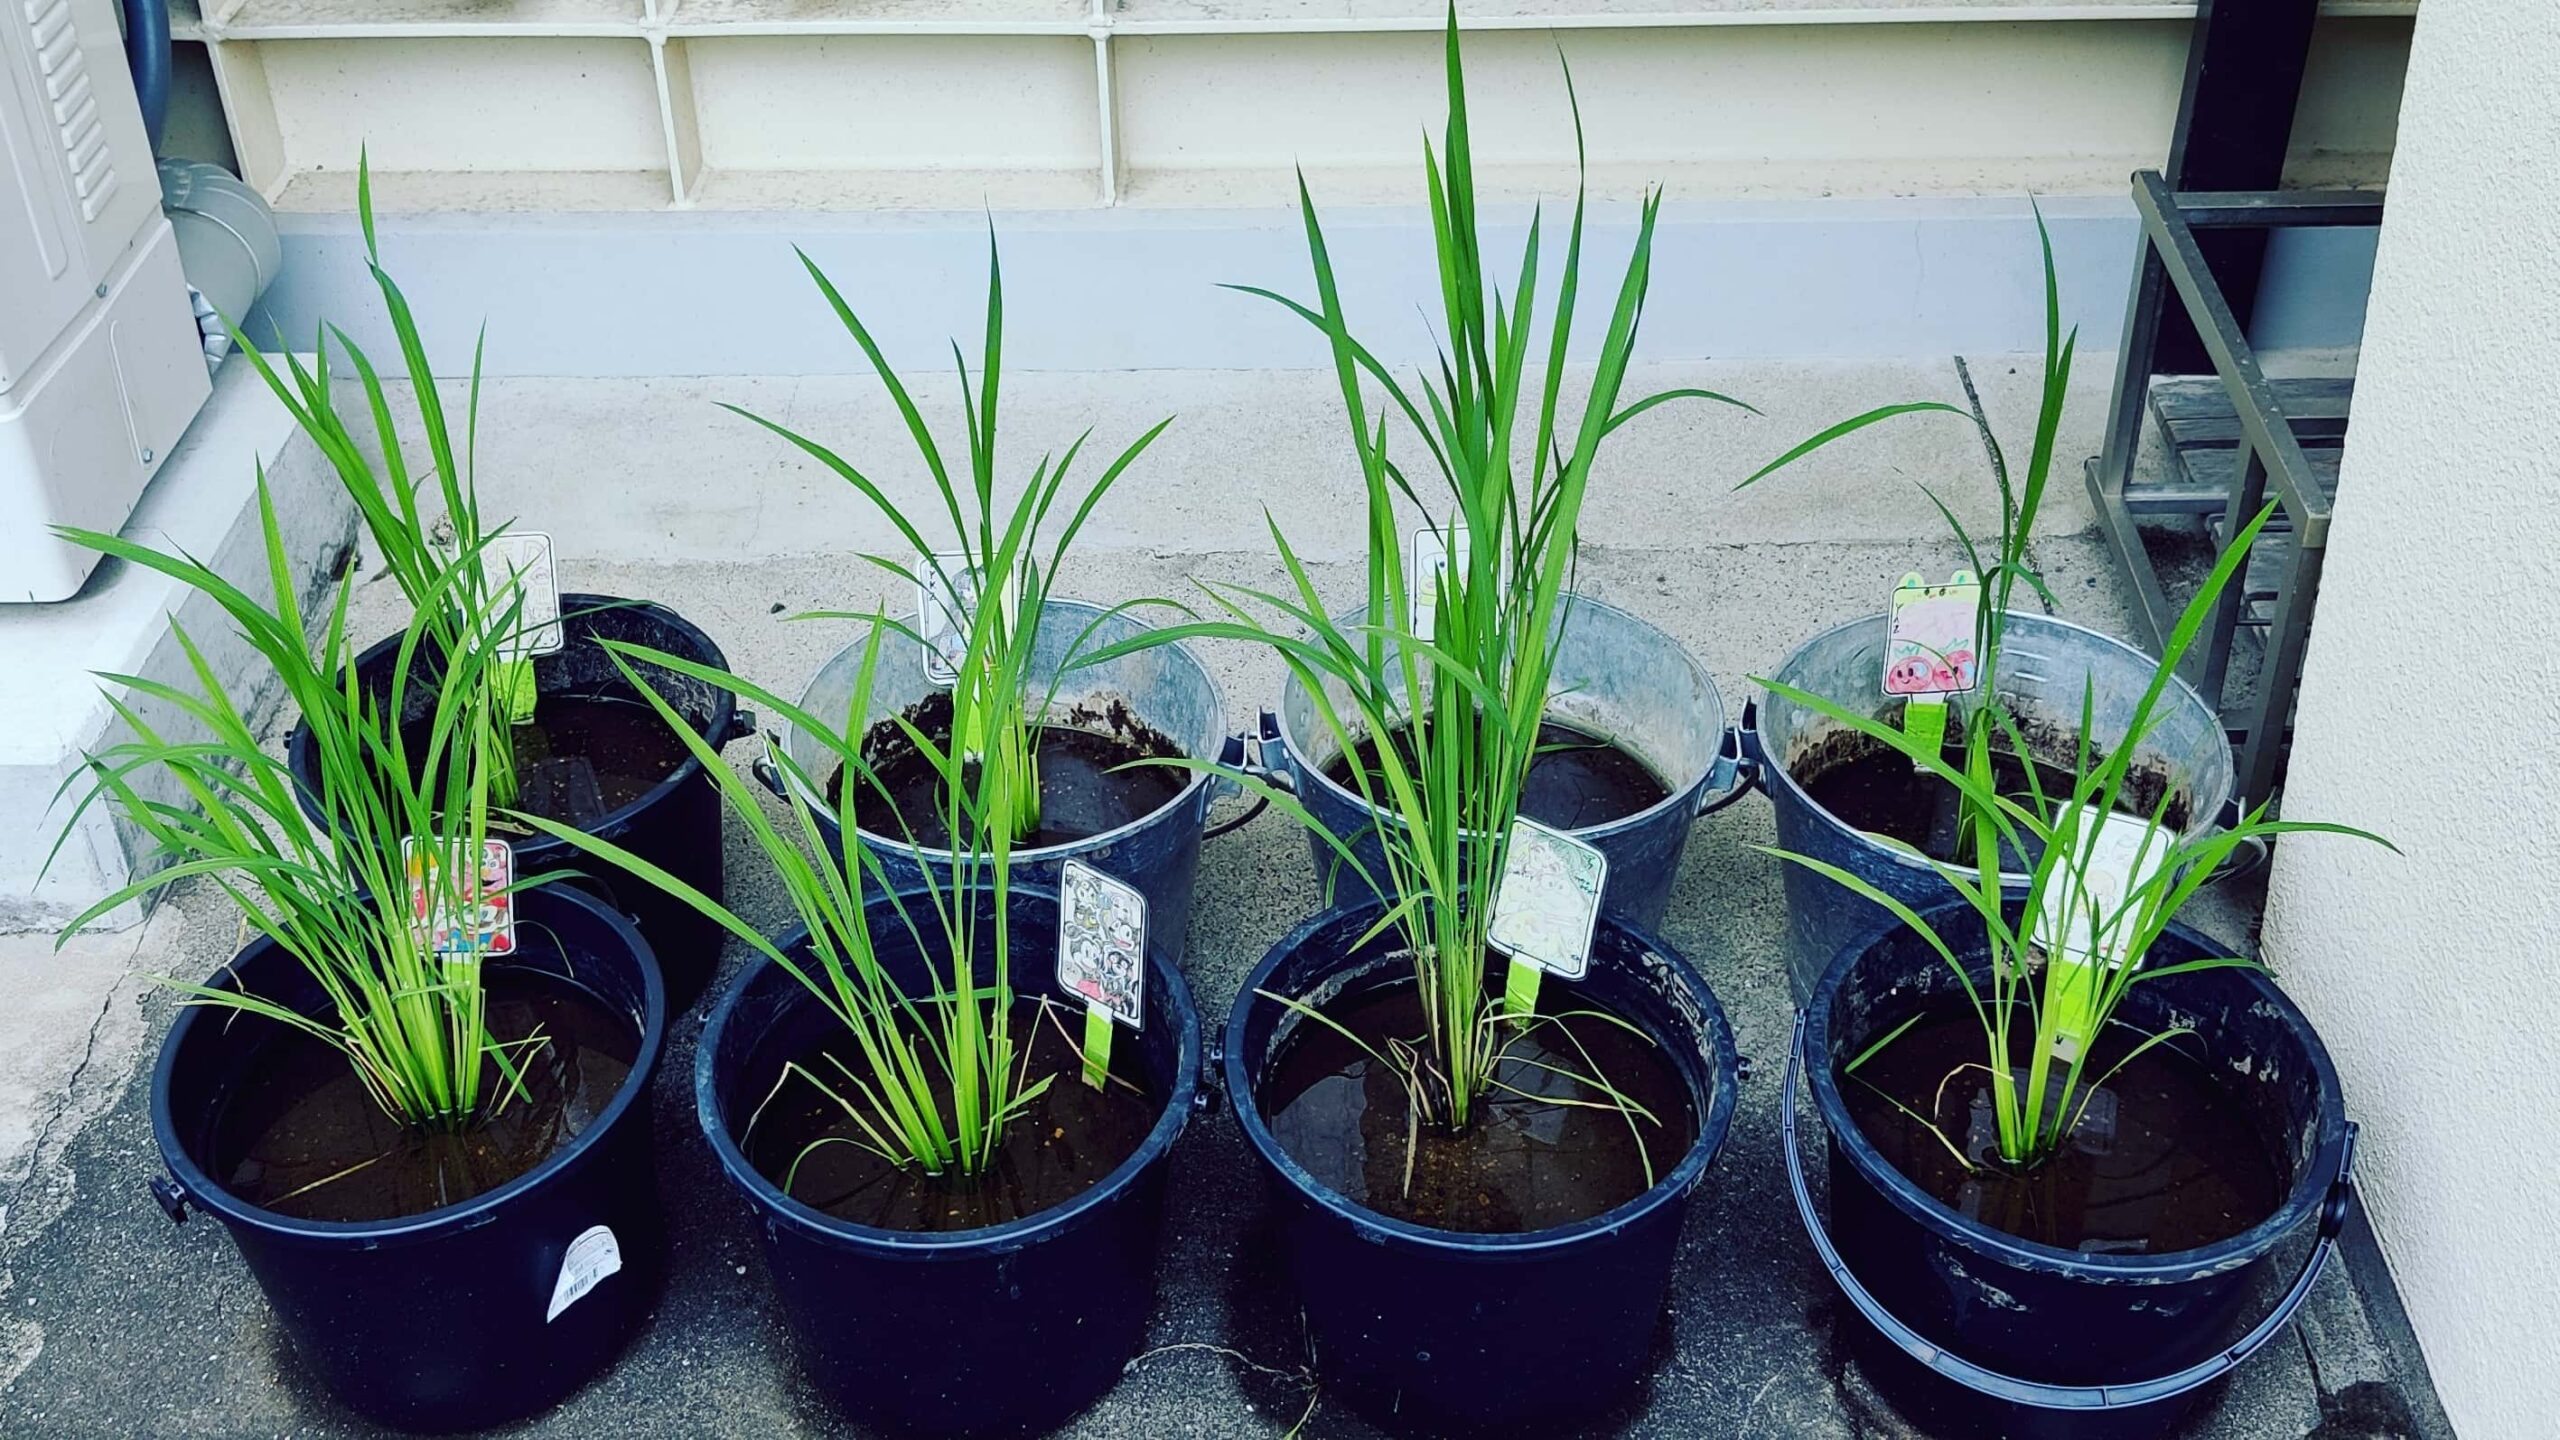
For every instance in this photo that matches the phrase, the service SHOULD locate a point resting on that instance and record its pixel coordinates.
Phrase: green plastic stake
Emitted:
(1926, 722)
(1520, 990)
(2075, 1005)
(515, 677)
(1097, 1045)
(2085, 919)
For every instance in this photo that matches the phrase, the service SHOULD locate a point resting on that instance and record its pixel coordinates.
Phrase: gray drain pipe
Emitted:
(227, 245)
(226, 234)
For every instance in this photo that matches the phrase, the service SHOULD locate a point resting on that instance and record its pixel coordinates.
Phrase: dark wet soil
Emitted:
(1065, 1143)
(304, 1117)
(583, 757)
(1870, 786)
(1523, 1164)
(2163, 1159)
(1083, 793)
(1577, 779)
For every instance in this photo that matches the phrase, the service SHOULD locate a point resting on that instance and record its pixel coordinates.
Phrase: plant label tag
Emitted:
(1102, 957)
(476, 917)
(1929, 637)
(946, 601)
(2086, 919)
(1102, 941)
(591, 1257)
(521, 560)
(1432, 558)
(1547, 905)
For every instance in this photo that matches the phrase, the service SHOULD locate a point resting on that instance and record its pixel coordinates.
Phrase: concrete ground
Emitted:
(113, 1322)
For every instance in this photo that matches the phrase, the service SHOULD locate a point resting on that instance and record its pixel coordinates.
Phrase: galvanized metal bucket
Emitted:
(1165, 686)
(2046, 666)
(1616, 678)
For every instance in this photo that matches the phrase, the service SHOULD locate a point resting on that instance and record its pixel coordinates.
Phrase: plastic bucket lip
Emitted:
(1681, 798)
(205, 1193)
(1723, 1066)
(928, 1245)
(2311, 1182)
(721, 730)
(1193, 781)
(1777, 772)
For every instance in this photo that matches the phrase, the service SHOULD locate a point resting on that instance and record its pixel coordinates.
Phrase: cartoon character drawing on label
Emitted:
(1102, 942)
(1929, 642)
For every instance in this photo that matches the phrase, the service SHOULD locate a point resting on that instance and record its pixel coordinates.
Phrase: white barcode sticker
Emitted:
(591, 1257)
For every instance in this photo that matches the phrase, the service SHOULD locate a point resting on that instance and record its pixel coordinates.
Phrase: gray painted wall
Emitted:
(704, 293)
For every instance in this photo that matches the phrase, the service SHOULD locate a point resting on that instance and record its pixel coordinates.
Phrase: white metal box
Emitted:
(101, 366)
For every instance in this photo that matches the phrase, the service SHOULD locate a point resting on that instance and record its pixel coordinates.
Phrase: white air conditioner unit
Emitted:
(101, 365)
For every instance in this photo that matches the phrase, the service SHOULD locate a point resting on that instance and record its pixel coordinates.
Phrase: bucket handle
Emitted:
(2037, 1393)
(1251, 755)
(1736, 770)
(1234, 756)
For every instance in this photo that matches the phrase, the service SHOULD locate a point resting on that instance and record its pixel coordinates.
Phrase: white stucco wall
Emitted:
(2427, 713)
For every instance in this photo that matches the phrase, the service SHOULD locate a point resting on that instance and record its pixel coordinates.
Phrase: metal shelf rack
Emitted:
(2231, 436)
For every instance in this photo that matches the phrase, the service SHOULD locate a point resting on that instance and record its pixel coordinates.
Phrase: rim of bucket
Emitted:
(1682, 797)
(1724, 1067)
(2202, 817)
(2311, 1180)
(719, 730)
(1166, 981)
(1193, 780)
(206, 1193)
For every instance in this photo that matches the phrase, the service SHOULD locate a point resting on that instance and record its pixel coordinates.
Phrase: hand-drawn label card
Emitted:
(1102, 942)
(1432, 558)
(2123, 855)
(1929, 642)
(476, 918)
(2086, 917)
(1548, 902)
(946, 600)
(522, 558)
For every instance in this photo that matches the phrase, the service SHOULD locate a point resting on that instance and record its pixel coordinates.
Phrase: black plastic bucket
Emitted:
(1005, 1328)
(676, 825)
(1972, 1332)
(438, 1321)
(1472, 1333)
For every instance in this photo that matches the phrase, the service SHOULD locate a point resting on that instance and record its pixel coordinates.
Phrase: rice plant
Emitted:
(2081, 939)
(1450, 708)
(331, 888)
(2021, 501)
(998, 578)
(433, 554)
(931, 1078)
